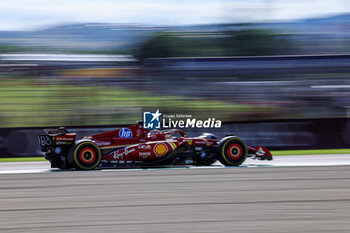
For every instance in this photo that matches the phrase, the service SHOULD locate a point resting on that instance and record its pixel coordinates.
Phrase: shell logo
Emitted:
(160, 149)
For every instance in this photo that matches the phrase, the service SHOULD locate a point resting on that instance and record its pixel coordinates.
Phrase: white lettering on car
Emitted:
(121, 155)
(144, 154)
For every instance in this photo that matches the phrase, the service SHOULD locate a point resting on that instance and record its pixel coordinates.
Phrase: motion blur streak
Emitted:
(106, 73)
(273, 71)
(303, 199)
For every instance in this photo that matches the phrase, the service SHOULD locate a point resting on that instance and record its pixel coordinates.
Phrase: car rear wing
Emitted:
(56, 140)
(56, 132)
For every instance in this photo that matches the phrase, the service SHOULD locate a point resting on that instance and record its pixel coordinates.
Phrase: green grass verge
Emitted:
(274, 153)
(310, 152)
(27, 159)
(30, 102)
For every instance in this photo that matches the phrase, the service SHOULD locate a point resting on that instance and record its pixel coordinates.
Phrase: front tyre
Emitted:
(85, 156)
(232, 151)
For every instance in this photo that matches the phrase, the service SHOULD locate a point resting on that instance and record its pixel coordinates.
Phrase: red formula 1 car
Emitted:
(135, 146)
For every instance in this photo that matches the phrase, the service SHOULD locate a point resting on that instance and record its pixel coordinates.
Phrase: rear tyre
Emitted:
(85, 156)
(232, 151)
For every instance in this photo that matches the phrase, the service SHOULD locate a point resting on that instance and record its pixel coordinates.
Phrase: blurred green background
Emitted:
(231, 72)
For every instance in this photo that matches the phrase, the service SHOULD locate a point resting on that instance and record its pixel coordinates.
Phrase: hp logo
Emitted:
(125, 133)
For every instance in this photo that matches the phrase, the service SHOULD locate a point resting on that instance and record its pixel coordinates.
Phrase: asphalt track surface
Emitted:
(289, 194)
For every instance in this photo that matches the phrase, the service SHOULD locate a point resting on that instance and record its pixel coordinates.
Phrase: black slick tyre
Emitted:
(86, 155)
(231, 151)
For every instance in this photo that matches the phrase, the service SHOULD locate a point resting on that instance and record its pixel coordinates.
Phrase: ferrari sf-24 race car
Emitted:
(135, 146)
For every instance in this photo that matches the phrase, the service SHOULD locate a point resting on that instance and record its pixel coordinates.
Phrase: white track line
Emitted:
(25, 171)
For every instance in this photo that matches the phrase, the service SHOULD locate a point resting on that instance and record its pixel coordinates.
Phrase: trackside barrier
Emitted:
(296, 134)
